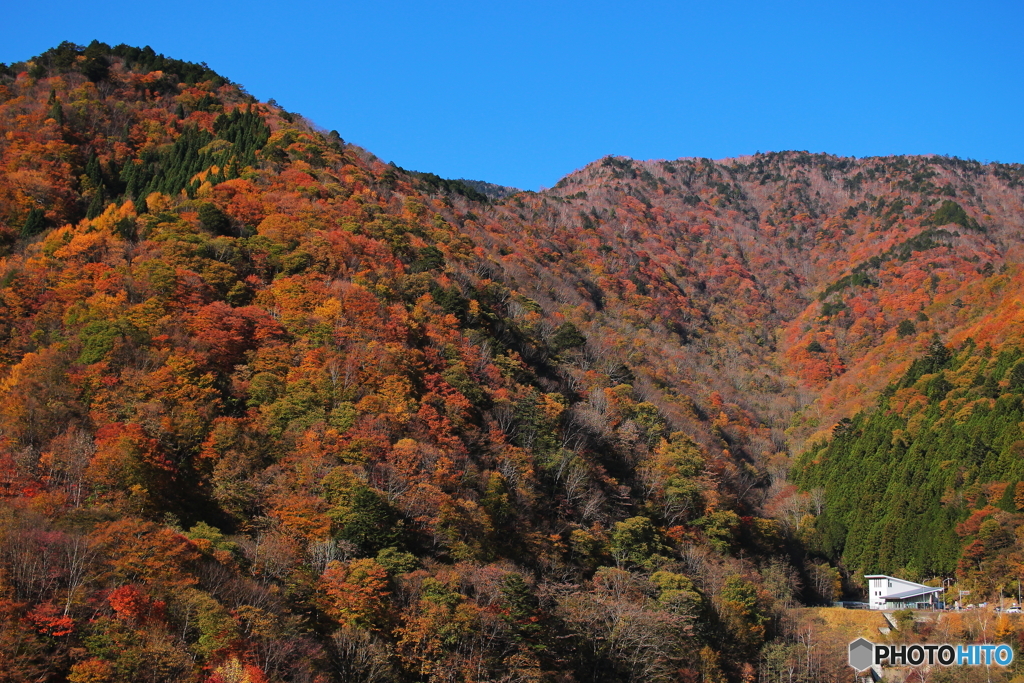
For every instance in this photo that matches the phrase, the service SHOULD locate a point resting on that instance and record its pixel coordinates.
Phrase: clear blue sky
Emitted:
(522, 93)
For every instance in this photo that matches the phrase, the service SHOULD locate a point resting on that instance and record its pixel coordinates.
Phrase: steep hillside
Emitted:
(939, 460)
(271, 409)
(797, 264)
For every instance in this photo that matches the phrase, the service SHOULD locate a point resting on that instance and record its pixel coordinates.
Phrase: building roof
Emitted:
(895, 578)
(923, 590)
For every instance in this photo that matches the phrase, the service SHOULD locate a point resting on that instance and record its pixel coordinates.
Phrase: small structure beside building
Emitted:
(888, 592)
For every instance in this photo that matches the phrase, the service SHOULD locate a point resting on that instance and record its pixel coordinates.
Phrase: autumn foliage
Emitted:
(272, 410)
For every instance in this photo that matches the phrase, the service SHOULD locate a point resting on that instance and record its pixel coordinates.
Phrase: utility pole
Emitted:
(946, 582)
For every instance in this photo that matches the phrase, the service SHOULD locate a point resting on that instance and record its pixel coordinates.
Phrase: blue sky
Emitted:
(522, 93)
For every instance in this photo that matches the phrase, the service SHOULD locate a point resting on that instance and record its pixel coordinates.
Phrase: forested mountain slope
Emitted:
(271, 409)
(939, 462)
(805, 265)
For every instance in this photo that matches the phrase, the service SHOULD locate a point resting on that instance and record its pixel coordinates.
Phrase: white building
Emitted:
(888, 592)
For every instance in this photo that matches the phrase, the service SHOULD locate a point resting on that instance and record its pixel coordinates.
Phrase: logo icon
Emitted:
(862, 654)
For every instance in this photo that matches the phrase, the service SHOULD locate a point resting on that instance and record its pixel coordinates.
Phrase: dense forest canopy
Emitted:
(273, 410)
